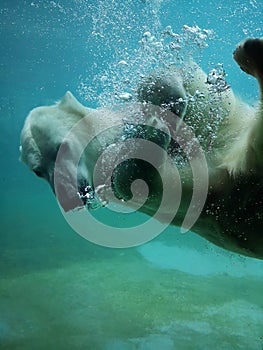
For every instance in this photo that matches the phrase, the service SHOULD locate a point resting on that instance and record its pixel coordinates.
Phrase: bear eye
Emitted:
(38, 173)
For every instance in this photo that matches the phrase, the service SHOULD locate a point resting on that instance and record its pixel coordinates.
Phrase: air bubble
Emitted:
(125, 96)
(147, 35)
(122, 63)
(103, 78)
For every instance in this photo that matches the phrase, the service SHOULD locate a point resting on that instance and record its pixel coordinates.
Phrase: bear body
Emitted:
(228, 130)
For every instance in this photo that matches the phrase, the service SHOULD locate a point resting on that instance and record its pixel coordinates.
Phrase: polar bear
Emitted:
(231, 215)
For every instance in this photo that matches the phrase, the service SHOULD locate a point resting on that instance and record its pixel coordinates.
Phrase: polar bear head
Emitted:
(42, 135)
(48, 130)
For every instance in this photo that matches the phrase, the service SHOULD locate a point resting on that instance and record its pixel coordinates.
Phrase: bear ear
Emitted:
(71, 104)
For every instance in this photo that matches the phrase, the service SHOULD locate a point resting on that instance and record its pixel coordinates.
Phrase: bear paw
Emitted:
(249, 56)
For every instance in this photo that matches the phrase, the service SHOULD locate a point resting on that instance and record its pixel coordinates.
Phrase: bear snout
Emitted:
(66, 199)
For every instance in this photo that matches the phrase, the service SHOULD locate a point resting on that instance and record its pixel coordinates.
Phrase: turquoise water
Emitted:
(59, 291)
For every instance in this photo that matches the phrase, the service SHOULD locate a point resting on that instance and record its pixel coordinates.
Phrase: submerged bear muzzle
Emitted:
(67, 199)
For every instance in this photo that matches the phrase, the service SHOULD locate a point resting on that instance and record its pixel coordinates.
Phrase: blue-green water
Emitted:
(59, 291)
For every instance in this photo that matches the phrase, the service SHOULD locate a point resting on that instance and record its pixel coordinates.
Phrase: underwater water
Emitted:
(60, 291)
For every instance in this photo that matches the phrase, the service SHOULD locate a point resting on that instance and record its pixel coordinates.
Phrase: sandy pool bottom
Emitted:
(134, 299)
